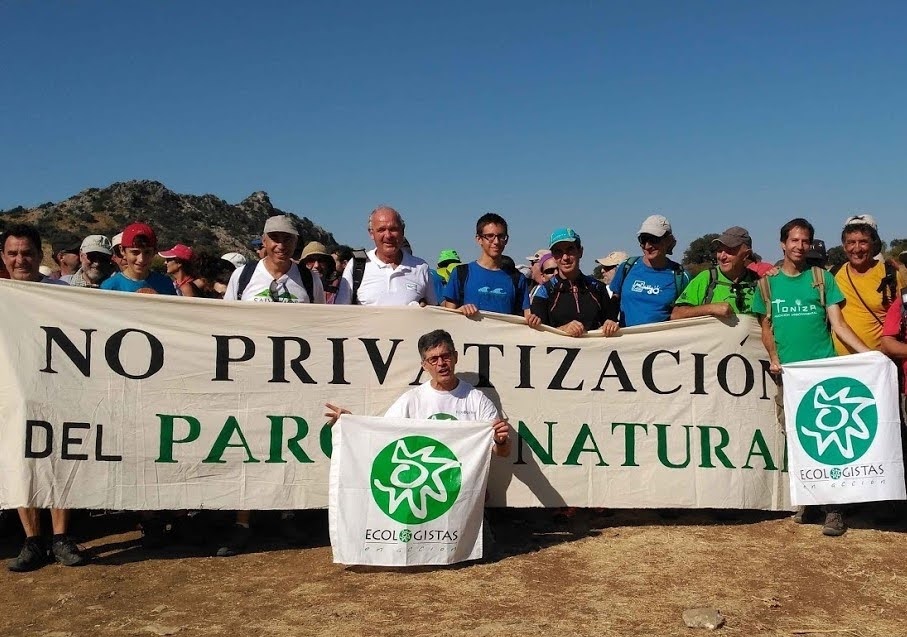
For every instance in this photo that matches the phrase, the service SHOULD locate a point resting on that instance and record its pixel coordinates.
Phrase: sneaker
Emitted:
(236, 542)
(153, 530)
(291, 531)
(834, 524)
(799, 516)
(65, 551)
(32, 556)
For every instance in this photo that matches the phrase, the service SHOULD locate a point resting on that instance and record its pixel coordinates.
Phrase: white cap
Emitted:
(45, 270)
(868, 220)
(117, 240)
(656, 225)
(96, 243)
(280, 223)
(235, 258)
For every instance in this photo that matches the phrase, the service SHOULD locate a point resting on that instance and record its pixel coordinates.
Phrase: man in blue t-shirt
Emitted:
(139, 245)
(647, 286)
(485, 284)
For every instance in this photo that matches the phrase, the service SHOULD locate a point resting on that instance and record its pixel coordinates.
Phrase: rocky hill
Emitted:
(204, 222)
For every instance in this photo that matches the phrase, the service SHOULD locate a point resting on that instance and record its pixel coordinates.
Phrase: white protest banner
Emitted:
(134, 401)
(843, 430)
(407, 492)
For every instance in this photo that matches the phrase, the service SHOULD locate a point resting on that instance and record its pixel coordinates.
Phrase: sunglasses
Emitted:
(549, 271)
(649, 238)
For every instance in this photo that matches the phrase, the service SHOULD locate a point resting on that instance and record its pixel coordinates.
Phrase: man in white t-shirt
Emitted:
(276, 279)
(391, 275)
(444, 396)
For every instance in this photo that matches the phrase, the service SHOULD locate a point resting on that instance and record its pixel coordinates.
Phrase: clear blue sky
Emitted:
(590, 114)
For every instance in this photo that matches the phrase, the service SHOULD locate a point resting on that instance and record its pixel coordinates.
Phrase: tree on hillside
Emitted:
(896, 247)
(836, 256)
(700, 250)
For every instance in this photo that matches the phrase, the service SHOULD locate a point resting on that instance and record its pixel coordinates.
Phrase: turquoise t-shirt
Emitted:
(155, 281)
(798, 317)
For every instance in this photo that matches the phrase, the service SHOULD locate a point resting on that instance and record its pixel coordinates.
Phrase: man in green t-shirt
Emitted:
(798, 326)
(725, 289)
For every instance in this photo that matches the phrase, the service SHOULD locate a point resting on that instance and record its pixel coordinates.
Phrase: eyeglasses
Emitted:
(549, 271)
(490, 236)
(650, 238)
(558, 252)
(274, 291)
(435, 360)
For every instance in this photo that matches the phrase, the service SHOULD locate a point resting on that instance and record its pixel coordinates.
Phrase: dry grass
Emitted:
(630, 574)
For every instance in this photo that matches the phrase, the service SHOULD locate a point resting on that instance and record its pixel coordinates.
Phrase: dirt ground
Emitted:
(630, 573)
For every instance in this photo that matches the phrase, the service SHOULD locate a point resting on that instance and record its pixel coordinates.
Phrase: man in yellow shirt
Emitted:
(869, 285)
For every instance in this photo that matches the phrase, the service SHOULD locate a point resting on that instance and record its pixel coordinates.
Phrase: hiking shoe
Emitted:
(32, 556)
(291, 530)
(153, 531)
(799, 516)
(834, 524)
(65, 551)
(806, 514)
(236, 542)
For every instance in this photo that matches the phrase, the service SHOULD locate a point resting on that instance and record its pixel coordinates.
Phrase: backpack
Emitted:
(360, 259)
(462, 272)
(679, 285)
(749, 280)
(249, 269)
(818, 282)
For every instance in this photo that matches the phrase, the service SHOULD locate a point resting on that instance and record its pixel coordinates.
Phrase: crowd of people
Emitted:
(856, 308)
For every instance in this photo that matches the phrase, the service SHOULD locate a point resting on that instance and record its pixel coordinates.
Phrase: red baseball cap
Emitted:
(179, 251)
(135, 230)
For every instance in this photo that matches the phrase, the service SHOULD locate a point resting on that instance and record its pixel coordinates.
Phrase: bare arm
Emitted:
(843, 331)
(719, 310)
(893, 347)
(768, 341)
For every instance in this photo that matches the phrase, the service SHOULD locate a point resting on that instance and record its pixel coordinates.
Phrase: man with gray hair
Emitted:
(387, 275)
(95, 263)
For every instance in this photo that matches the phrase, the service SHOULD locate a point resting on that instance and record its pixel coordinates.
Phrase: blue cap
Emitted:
(563, 234)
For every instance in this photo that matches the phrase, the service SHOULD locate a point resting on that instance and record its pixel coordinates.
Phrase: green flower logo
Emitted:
(837, 421)
(415, 479)
(406, 535)
(835, 474)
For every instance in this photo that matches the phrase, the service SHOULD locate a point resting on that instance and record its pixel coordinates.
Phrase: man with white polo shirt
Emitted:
(389, 275)
(276, 278)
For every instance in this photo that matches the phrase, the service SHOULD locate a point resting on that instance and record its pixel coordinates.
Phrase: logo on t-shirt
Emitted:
(284, 297)
(641, 286)
(797, 308)
(441, 416)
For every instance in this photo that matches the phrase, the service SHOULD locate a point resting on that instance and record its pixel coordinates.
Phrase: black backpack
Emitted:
(676, 268)
(462, 271)
(360, 259)
(249, 269)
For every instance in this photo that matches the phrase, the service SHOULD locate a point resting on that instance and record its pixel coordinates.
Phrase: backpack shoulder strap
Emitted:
(462, 272)
(710, 289)
(244, 277)
(766, 291)
(888, 288)
(307, 282)
(360, 259)
(679, 283)
(624, 270)
(516, 277)
(819, 282)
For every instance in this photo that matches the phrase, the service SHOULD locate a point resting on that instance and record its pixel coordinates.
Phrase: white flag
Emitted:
(407, 492)
(843, 430)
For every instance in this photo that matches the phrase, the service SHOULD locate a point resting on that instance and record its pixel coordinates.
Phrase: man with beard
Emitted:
(724, 290)
(95, 263)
